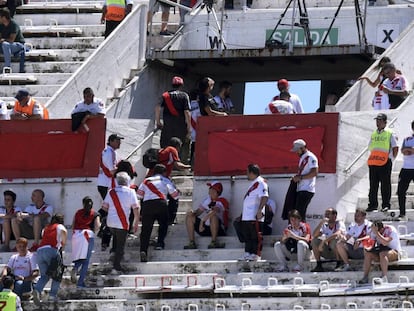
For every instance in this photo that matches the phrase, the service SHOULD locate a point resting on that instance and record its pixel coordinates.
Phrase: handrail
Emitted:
(348, 168)
(141, 144)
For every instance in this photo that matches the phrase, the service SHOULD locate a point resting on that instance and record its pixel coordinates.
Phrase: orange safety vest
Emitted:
(115, 10)
(29, 108)
(379, 147)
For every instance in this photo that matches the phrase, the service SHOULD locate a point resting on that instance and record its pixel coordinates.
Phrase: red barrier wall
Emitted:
(48, 148)
(226, 145)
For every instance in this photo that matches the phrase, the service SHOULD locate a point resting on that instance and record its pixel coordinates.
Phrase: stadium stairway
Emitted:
(213, 279)
(60, 37)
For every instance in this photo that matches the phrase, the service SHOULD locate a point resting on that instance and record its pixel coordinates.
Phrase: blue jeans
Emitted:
(13, 49)
(44, 258)
(84, 263)
(21, 287)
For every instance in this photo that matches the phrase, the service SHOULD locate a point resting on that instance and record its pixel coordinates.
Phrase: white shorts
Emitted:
(154, 6)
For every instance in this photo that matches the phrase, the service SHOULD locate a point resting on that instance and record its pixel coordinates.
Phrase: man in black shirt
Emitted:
(176, 117)
(12, 40)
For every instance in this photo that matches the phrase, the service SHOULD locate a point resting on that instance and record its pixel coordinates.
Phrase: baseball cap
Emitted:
(282, 83)
(22, 93)
(297, 144)
(216, 186)
(177, 81)
(113, 137)
(381, 116)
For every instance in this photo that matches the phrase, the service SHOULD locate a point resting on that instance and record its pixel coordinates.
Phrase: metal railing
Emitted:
(142, 143)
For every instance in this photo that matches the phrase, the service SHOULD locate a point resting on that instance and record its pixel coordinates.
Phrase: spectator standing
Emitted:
(12, 40)
(106, 180)
(210, 218)
(85, 223)
(118, 203)
(325, 237)
(27, 108)
(195, 113)
(90, 108)
(170, 159)
(223, 100)
(51, 247)
(395, 85)
(8, 297)
(383, 147)
(35, 217)
(153, 8)
(153, 192)
(407, 171)
(380, 100)
(281, 105)
(254, 200)
(306, 177)
(296, 239)
(24, 268)
(283, 86)
(7, 213)
(207, 104)
(175, 106)
(386, 250)
(113, 13)
(350, 246)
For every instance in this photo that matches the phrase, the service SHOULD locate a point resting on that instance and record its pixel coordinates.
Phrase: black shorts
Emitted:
(207, 231)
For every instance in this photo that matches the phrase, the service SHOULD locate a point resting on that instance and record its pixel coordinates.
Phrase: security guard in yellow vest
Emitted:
(9, 301)
(383, 147)
(113, 12)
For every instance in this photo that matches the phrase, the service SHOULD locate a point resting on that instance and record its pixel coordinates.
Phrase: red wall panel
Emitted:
(48, 148)
(226, 145)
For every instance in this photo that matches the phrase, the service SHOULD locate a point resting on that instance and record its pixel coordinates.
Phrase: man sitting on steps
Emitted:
(210, 218)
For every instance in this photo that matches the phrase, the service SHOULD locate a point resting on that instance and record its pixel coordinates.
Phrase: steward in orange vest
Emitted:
(27, 108)
(113, 12)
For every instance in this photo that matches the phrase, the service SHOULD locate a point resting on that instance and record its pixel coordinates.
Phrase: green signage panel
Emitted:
(317, 35)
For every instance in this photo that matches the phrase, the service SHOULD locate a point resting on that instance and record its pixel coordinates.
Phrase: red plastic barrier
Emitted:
(48, 148)
(226, 145)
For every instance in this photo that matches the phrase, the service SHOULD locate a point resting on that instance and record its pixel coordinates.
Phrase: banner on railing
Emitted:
(226, 145)
(48, 148)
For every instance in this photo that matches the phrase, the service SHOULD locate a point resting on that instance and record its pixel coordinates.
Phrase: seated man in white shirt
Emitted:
(210, 218)
(351, 245)
(91, 107)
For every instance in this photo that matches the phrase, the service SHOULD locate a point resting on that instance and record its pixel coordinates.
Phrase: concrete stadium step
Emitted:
(55, 7)
(63, 31)
(47, 18)
(61, 43)
(35, 90)
(41, 55)
(49, 78)
(383, 302)
(363, 202)
(49, 67)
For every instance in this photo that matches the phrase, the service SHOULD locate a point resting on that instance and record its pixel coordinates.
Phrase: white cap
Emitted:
(297, 144)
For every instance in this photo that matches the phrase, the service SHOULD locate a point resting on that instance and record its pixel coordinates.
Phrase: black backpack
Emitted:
(150, 158)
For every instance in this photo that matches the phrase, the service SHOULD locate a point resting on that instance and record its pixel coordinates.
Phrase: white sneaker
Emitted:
(282, 268)
(344, 268)
(297, 268)
(253, 257)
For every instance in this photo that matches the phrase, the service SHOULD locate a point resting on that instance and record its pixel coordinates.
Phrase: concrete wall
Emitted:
(248, 30)
(360, 95)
